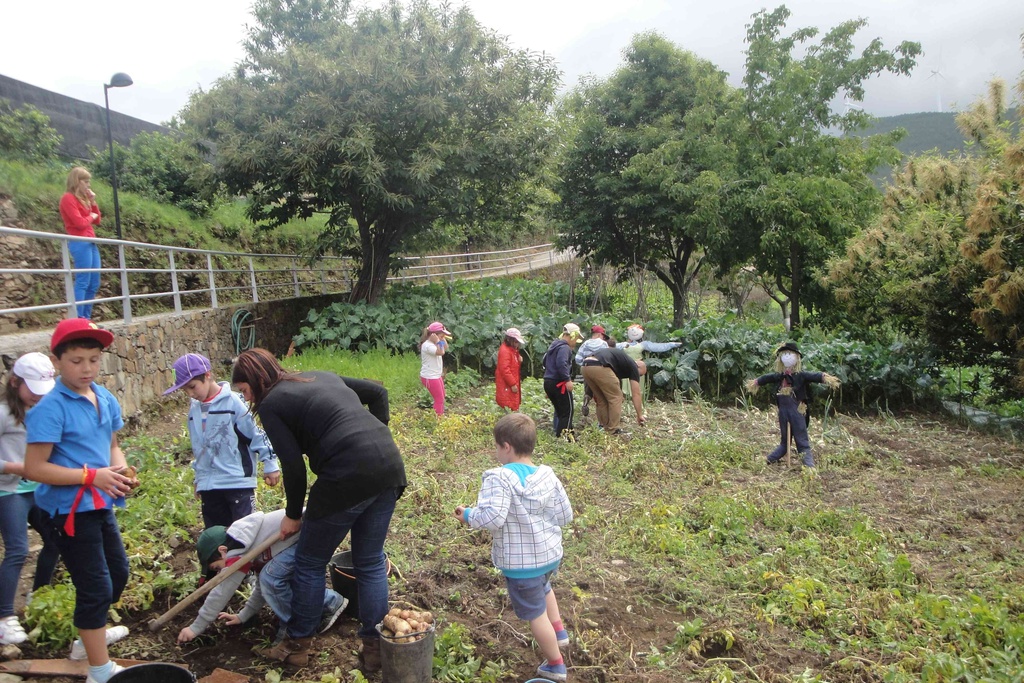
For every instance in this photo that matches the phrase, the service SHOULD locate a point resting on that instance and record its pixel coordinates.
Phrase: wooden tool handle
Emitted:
(212, 583)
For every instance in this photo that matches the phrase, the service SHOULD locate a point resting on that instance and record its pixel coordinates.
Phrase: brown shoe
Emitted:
(291, 651)
(369, 656)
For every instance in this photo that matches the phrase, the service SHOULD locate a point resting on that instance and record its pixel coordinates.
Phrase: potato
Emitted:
(397, 624)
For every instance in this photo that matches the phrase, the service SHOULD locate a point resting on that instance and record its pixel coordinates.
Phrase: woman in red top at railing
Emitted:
(80, 213)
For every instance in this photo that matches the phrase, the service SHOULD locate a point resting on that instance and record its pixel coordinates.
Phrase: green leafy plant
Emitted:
(454, 661)
(49, 615)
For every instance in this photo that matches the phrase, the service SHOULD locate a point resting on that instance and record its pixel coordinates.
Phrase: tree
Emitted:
(995, 223)
(393, 121)
(642, 179)
(807, 188)
(906, 270)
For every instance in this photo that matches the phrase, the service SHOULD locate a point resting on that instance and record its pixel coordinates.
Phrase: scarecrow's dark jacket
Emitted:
(800, 382)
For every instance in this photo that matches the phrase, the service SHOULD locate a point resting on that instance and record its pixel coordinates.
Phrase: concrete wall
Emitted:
(80, 123)
(137, 367)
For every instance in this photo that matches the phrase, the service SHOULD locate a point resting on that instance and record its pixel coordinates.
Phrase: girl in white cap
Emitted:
(31, 378)
(433, 346)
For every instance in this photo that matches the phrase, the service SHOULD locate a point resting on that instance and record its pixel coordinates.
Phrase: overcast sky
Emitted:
(172, 48)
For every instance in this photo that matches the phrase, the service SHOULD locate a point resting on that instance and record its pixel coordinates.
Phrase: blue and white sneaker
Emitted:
(554, 672)
(333, 607)
(563, 639)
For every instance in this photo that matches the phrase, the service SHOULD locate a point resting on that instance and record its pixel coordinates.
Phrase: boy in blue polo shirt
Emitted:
(73, 452)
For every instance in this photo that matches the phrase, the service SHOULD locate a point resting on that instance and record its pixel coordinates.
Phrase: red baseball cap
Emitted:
(79, 328)
(598, 329)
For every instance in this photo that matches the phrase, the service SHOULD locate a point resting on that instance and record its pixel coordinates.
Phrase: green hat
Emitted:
(206, 548)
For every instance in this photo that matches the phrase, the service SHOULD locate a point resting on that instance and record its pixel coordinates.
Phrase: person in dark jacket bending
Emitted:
(360, 476)
(791, 397)
(603, 371)
(558, 376)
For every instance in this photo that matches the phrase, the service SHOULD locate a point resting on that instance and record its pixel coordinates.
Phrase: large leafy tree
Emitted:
(906, 270)
(808, 189)
(642, 180)
(394, 121)
(995, 223)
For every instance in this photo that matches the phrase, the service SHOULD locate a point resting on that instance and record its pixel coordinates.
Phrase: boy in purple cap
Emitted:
(225, 441)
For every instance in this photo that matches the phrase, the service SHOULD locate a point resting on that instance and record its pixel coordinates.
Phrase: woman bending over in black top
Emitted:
(360, 475)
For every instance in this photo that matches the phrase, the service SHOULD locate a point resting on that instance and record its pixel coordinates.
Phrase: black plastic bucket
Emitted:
(154, 672)
(343, 578)
(407, 662)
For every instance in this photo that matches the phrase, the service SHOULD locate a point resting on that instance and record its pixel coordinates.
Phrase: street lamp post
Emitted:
(118, 80)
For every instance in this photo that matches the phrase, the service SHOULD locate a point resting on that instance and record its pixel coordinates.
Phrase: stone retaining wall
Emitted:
(137, 366)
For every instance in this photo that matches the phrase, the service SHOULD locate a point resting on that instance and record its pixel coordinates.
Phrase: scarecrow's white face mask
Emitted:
(788, 359)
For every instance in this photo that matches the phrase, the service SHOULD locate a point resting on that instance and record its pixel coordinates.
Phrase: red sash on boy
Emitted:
(97, 501)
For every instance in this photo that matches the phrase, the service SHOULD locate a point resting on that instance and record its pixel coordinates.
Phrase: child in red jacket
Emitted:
(507, 384)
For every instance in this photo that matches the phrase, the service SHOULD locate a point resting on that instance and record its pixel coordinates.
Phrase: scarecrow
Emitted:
(792, 399)
(635, 346)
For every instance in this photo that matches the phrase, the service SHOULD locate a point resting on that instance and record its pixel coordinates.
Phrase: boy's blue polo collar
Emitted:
(68, 391)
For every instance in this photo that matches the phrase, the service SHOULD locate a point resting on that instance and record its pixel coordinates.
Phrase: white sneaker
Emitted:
(114, 634)
(115, 668)
(11, 632)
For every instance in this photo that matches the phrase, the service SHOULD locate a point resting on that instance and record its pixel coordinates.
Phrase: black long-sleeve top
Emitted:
(372, 395)
(350, 450)
(797, 380)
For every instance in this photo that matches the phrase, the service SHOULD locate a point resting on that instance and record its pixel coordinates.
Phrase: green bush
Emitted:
(25, 133)
(167, 168)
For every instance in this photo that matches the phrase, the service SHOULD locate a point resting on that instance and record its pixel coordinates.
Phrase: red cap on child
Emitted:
(79, 328)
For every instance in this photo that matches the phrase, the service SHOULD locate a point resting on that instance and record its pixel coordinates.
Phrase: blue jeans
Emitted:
(276, 585)
(14, 509)
(318, 541)
(96, 560)
(85, 255)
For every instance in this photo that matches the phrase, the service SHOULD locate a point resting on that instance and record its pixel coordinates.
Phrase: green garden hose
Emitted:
(243, 331)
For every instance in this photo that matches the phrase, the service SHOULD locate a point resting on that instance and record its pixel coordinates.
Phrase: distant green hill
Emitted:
(926, 131)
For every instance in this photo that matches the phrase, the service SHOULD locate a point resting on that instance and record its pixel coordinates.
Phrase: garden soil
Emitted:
(622, 621)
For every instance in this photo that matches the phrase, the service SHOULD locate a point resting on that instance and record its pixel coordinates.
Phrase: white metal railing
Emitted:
(207, 278)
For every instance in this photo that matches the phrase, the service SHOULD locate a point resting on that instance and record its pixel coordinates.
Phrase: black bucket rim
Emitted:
(148, 669)
(335, 568)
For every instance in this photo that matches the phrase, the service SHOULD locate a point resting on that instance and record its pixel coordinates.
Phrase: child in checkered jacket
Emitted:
(525, 506)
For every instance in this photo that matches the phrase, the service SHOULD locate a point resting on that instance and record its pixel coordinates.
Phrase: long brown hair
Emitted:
(13, 401)
(75, 177)
(260, 370)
